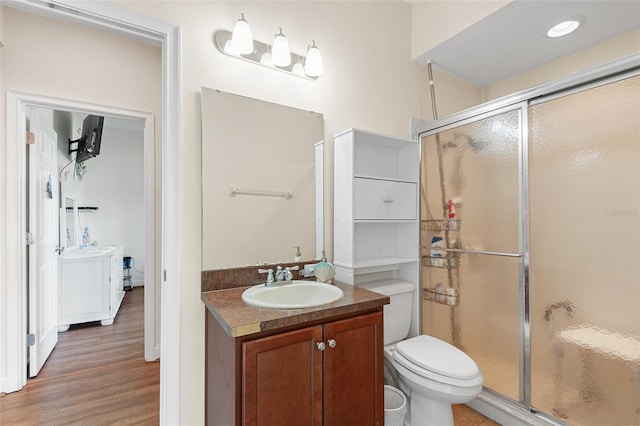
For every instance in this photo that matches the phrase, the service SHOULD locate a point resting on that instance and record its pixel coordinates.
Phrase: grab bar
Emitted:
(233, 191)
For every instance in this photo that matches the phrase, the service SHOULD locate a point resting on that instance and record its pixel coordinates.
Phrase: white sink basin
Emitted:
(298, 294)
(90, 251)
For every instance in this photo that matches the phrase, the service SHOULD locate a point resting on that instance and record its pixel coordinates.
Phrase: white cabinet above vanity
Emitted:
(376, 193)
(380, 199)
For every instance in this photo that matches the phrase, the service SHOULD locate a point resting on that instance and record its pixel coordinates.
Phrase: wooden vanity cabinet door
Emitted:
(282, 379)
(354, 372)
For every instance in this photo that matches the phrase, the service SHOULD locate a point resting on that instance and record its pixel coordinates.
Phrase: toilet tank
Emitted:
(397, 314)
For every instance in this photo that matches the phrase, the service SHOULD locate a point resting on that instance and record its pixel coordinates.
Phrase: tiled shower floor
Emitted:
(465, 416)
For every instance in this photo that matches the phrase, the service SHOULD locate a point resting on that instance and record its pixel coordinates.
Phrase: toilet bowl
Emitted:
(432, 373)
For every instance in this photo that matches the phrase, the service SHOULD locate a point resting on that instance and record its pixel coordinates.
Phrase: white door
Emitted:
(43, 225)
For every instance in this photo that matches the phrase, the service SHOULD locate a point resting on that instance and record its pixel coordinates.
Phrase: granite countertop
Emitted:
(238, 318)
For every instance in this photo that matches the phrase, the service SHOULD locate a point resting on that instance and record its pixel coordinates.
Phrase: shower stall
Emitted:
(530, 245)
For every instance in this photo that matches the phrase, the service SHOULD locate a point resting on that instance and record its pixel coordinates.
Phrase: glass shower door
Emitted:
(585, 255)
(472, 264)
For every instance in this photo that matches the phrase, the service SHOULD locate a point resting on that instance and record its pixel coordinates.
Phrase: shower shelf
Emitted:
(449, 297)
(439, 225)
(434, 262)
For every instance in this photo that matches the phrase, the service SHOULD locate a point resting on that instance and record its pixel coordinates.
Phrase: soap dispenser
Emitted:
(324, 271)
(298, 256)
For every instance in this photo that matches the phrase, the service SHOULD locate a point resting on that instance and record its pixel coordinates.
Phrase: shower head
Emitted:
(450, 144)
(464, 139)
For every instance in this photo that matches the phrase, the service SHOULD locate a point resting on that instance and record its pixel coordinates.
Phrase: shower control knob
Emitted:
(320, 346)
(332, 343)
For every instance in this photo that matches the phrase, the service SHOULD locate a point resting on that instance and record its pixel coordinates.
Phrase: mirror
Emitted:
(258, 181)
(69, 224)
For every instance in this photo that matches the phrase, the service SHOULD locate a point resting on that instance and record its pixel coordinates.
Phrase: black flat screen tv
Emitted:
(89, 142)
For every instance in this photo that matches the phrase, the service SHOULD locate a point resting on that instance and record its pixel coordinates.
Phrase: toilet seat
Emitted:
(437, 360)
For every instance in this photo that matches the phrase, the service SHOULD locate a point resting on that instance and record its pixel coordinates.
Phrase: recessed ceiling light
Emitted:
(563, 28)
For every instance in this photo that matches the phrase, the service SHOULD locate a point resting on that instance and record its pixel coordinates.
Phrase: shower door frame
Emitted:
(620, 69)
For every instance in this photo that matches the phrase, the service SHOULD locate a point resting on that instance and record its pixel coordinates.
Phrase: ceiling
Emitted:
(513, 39)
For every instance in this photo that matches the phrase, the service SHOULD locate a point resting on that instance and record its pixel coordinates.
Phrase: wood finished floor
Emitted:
(95, 376)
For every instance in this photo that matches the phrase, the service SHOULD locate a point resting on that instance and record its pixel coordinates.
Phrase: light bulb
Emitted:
(265, 59)
(313, 65)
(298, 69)
(228, 48)
(280, 53)
(241, 38)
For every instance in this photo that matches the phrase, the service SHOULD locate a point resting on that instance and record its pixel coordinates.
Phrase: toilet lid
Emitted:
(439, 357)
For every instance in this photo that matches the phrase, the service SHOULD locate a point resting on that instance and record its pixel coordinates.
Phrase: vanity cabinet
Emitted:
(329, 373)
(376, 227)
(89, 286)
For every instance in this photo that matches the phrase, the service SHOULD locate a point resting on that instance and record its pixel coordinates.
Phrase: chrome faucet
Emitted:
(283, 275)
(269, 273)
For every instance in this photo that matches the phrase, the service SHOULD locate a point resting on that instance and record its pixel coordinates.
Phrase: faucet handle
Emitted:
(293, 268)
(269, 273)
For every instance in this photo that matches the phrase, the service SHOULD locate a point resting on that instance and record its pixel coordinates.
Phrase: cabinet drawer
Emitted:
(384, 200)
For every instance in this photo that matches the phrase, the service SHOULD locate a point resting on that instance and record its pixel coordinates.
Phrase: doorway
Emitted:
(24, 101)
(108, 197)
(107, 17)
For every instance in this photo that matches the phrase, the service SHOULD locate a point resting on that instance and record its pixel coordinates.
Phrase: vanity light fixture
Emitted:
(265, 59)
(241, 38)
(277, 57)
(298, 68)
(280, 53)
(563, 28)
(313, 65)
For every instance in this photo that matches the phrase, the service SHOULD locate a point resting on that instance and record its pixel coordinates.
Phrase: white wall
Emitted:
(601, 53)
(433, 21)
(114, 182)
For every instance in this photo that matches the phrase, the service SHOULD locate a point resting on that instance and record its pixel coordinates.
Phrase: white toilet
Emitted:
(432, 373)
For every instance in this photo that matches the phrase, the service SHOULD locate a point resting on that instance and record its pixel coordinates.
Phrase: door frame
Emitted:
(113, 18)
(21, 101)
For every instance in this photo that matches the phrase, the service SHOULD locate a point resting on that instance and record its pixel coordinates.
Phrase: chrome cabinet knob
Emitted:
(332, 343)
(320, 346)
